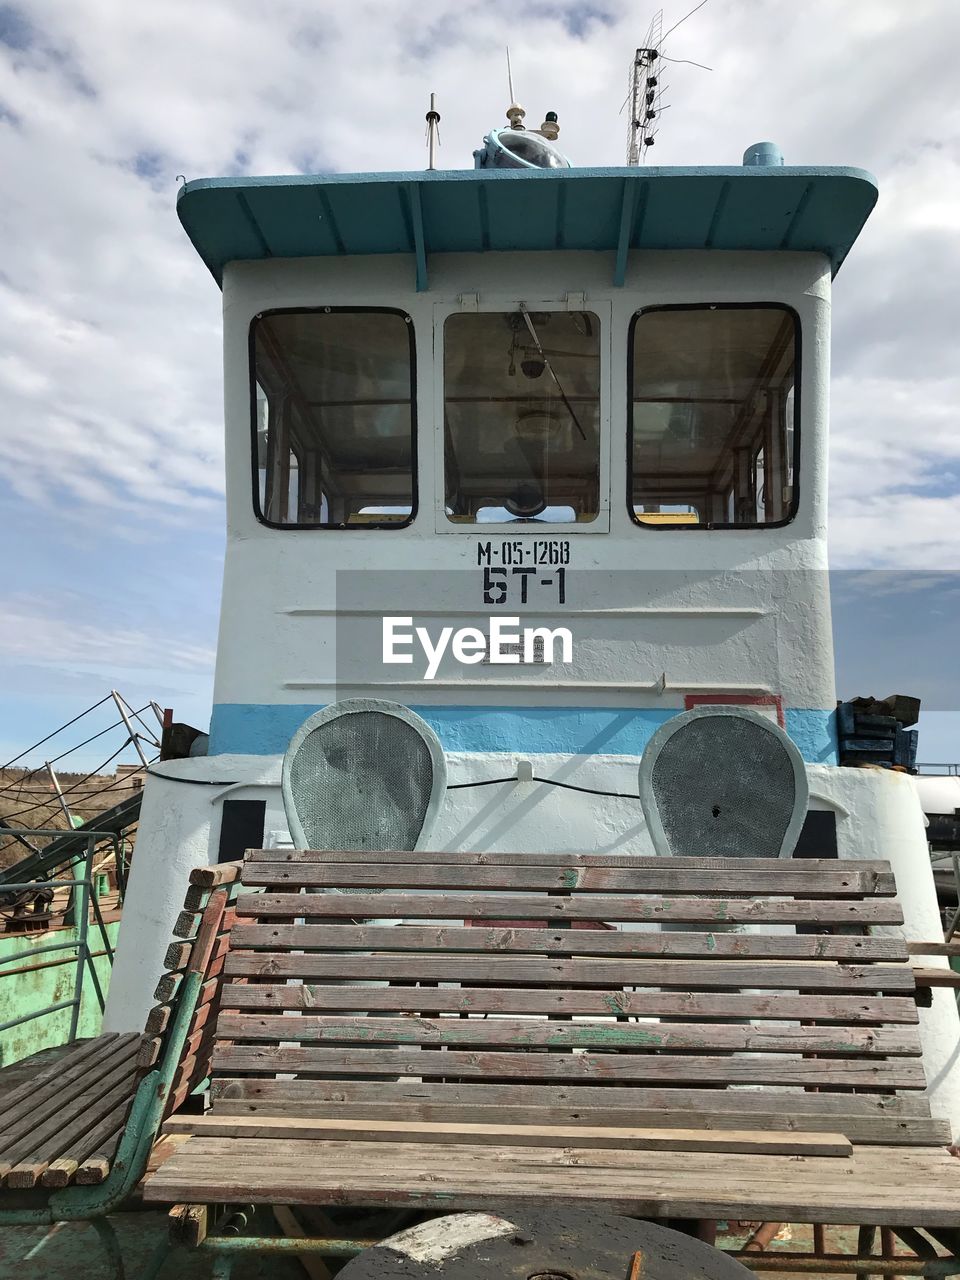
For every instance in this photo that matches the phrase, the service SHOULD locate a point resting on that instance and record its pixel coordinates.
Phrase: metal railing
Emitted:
(83, 900)
(939, 770)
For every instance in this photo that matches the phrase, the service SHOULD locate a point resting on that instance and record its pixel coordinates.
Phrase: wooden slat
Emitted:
(473, 858)
(651, 1004)
(39, 1114)
(210, 877)
(786, 975)
(589, 1137)
(185, 925)
(883, 1185)
(857, 1126)
(49, 1080)
(23, 1165)
(842, 879)
(877, 1118)
(585, 942)
(521, 906)
(102, 1137)
(935, 948)
(936, 977)
(158, 1019)
(793, 1110)
(893, 1073)
(541, 1033)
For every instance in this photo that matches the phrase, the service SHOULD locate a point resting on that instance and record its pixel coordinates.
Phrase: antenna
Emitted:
(433, 132)
(515, 112)
(645, 93)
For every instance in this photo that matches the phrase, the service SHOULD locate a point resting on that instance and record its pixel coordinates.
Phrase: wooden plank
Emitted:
(934, 948)
(167, 988)
(195, 898)
(151, 1047)
(893, 1073)
(936, 977)
(185, 925)
(287, 1221)
(882, 1185)
(786, 878)
(43, 1111)
(188, 1224)
(520, 906)
(176, 956)
(606, 942)
(23, 1166)
(209, 946)
(650, 1004)
(545, 1135)
(210, 877)
(158, 1019)
(856, 1128)
(793, 1110)
(915, 1131)
(531, 970)
(472, 858)
(527, 1032)
(106, 1133)
(48, 1081)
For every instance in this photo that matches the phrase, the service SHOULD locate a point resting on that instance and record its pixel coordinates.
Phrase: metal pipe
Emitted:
(129, 727)
(38, 1013)
(56, 786)
(286, 1244)
(848, 1264)
(81, 918)
(49, 964)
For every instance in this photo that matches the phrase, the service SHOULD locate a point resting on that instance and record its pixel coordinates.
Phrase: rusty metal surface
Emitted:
(572, 1244)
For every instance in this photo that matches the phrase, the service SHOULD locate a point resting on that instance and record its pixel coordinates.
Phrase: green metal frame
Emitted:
(83, 899)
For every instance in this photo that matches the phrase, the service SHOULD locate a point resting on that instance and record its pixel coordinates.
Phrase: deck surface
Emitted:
(890, 1186)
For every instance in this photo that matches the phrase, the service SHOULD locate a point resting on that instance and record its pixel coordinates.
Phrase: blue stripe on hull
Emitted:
(266, 729)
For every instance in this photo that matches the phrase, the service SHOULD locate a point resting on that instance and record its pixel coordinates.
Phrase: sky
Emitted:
(111, 448)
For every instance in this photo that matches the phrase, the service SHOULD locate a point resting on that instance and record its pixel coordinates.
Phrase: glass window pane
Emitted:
(712, 416)
(522, 417)
(334, 418)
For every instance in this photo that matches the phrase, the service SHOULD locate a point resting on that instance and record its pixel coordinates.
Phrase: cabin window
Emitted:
(712, 438)
(522, 417)
(333, 394)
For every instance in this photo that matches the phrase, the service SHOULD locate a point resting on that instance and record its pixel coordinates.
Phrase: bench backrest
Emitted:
(331, 1007)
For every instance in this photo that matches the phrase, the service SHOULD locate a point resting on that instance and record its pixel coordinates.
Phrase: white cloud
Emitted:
(40, 633)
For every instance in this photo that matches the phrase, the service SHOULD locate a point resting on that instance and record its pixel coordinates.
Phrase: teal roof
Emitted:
(475, 211)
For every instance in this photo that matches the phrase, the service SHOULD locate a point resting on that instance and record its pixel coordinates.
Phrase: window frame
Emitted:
(602, 308)
(713, 525)
(414, 423)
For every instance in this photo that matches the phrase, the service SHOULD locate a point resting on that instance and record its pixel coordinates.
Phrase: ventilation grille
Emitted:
(724, 787)
(362, 781)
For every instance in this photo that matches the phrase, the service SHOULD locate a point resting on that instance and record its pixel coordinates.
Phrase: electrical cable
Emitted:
(55, 732)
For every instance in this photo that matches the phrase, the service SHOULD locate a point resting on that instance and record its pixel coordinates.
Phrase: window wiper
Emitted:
(547, 365)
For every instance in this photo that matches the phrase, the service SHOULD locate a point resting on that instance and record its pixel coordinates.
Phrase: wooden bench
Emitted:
(700, 1070)
(77, 1124)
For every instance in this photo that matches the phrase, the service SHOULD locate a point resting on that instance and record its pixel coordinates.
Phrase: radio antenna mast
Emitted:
(645, 93)
(433, 132)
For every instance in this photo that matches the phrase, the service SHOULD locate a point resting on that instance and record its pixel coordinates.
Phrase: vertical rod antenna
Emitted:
(510, 77)
(433, 132)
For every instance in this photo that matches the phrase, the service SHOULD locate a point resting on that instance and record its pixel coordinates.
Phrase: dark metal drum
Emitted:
(562, 1244)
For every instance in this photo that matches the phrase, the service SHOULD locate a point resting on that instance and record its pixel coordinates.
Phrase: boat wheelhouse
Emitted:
(544, 401)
